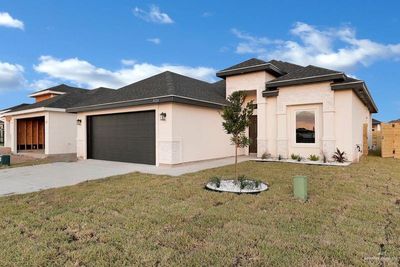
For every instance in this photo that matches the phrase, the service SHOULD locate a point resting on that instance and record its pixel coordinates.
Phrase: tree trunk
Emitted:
(236, 152)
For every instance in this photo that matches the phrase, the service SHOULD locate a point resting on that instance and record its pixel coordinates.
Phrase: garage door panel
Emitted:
(127, 137)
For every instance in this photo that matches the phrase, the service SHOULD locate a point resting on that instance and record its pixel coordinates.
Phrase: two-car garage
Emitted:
(126, 137)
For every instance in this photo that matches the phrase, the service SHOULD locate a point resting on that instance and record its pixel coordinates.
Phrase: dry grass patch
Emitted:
(140, 219)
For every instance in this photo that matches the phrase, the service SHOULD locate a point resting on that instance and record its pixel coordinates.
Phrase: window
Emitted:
(305, 127)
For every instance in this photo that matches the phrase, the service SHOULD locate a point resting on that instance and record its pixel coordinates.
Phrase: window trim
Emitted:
(316, 111)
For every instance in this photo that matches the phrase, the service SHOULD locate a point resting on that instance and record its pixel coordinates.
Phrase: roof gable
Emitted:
(247, 63)
(248, 66)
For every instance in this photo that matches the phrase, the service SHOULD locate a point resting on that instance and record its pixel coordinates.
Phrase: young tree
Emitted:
(236, 119)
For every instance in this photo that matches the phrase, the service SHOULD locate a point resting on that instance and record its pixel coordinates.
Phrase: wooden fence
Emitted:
(390, 140)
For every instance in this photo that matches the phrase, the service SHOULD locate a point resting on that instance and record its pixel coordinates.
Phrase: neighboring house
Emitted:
(3, 123)
(395, 121)
(376, 125)
(1, 133)
(171, 119)
(376, 134)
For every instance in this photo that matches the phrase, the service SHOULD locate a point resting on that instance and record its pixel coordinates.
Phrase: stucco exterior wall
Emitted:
(344, 122)
(340, 116)
(254, 82)
(7, 133)
(189, 133)
(318, 97)
(198, 134)
(361, 116)
(61, 133)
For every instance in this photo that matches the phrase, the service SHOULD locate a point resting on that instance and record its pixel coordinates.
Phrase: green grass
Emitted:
(140, 219)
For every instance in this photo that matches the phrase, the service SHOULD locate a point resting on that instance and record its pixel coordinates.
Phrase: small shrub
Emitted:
(257, 183)
(279, 157)
(266, 155)
(299, 158)
(313, 157)
(339, 156)
(245, 183)
(294, 156)
(324, 158)
(216, 181)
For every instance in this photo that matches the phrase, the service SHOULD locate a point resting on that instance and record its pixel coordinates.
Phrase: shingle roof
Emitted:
(375, 122)
(304, 72)
(60, 101)
(248, 63)
(13, 108)
(285, 66)
(63, 88)
(169, 86)
(71, 96)
(160, 85)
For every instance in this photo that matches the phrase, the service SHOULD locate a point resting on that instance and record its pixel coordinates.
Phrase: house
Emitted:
(376, 125)
(1, 133)
(170, 119)
(376, 134)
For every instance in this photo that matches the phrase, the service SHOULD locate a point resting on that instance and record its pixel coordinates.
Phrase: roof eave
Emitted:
(268, 67)
(46, 92)
(361, 90)
(33, 110)
(305, 80)
(270, 93)
(147, 101)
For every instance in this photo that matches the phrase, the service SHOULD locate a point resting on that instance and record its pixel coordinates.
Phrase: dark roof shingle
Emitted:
(248, 63)
(63, 88)
(305, 72)
(160, 85)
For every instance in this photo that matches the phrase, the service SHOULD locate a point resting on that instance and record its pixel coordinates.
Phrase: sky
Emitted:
(114, 43)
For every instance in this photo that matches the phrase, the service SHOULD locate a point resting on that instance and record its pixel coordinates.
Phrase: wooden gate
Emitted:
(365, 139)
(390, 140)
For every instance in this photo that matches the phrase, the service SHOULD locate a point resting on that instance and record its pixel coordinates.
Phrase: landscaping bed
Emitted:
(239, 187)
(309, 162)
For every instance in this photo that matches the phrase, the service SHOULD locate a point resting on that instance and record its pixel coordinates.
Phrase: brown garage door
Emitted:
(126, 137)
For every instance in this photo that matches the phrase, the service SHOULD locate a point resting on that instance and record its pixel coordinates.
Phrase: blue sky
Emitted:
(112, 43)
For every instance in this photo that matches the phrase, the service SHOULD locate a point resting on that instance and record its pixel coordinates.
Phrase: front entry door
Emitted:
(253, 135)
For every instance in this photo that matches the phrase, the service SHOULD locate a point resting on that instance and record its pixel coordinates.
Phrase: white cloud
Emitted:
(7, 21)
(250, 44)
(42, 84)
(11, 77)
(153, 15)
(207, 14)
(128, 62)
(336, 48)
(154, 40)
(83, 73)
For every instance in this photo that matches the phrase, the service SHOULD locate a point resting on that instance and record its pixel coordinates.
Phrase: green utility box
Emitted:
(5, 160)
(300, 187)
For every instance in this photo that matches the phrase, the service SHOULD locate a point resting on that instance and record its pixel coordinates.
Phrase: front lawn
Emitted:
(140, 219)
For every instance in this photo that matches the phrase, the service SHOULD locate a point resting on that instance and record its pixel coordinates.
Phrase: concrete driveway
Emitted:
(34, 178)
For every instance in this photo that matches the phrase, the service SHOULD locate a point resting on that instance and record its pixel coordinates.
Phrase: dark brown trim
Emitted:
(268, 67)
(174, 99)
(270, 93)
(321, 78)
